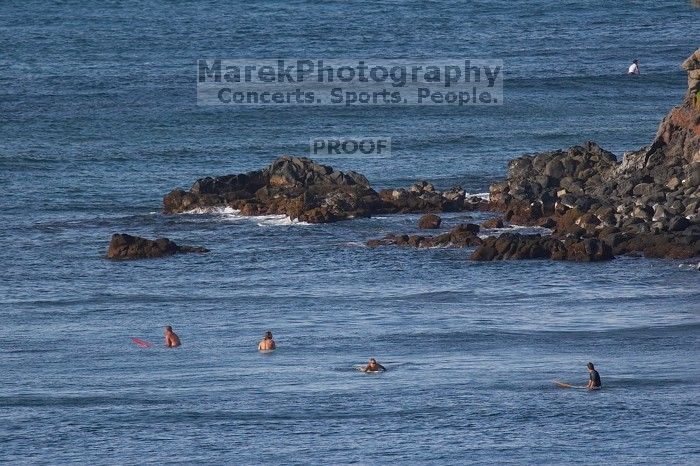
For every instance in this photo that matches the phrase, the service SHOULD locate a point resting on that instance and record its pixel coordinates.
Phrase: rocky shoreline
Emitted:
(646, 204)
(596, 206)
(599, 207)
(463, 235)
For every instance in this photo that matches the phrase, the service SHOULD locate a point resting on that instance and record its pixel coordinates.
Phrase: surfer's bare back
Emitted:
(267, 343)
(171, 338)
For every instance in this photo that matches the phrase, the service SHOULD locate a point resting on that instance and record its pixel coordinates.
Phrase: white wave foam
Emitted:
(212, 210)
(234, 215)
(276, 220)
(523, 230)
(484, 196)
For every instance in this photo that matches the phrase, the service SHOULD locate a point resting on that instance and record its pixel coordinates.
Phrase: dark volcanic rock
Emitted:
(678, 224)
(653, 192)
(659, 245)
(463, 235)
(597, 206)
(588, 250)
(123, 246)
(422, 197)
(492, 223)
(311, 192)
(512, 246)
(429, 222)
(293, 186)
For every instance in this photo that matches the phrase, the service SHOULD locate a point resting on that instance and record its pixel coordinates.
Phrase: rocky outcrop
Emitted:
(692, 66)
(597, 206)
(311, 192)
(511, 246)
(292, 186)
(463, 235)
(123, 246)
(675, 151)
(429, 222)
(536, 185)
(508, 246)
(423, 197)
(648, 203)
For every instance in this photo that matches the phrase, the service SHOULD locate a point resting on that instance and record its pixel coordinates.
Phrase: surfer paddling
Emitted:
(594, 377)
(267, 343)
(171, 338)
(373, 366)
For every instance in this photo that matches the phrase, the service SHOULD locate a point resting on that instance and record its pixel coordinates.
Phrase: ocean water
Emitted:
(98, 121)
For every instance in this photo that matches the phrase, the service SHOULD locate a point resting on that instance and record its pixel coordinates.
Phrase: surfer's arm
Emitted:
(382, 368)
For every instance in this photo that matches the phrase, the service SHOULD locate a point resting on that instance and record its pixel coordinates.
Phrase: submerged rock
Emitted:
(492, 223)
(463, 235)
(429, 222)
(123, 246)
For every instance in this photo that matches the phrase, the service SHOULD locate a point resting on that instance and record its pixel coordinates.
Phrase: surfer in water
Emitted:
(267, 342)
(374, 366)
(171, 338)
(634, 67)
(594, 378)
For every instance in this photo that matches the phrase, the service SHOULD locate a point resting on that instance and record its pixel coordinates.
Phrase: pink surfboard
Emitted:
(141, 343)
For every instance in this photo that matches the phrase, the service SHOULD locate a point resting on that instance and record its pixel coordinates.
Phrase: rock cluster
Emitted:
(423, 197)
(311, 192)
(463, 235)
(507, 246)
(123, 246)
(648, 203)
(596, 205)
(515, 246)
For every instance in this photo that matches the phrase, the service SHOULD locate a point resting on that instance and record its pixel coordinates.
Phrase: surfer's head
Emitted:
(590, 366)
(268, 335)
(372, 362)
(635, 61)
(168, 328)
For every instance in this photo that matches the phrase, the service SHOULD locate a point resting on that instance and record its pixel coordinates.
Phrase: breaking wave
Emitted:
(234, 215)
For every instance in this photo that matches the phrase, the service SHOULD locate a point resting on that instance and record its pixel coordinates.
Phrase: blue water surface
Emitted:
(98, 120)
